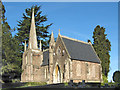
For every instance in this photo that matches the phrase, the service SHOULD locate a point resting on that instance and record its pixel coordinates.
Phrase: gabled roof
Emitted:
(45, 57)
(79, 50)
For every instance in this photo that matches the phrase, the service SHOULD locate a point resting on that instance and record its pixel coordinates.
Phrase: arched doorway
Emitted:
(56, 75)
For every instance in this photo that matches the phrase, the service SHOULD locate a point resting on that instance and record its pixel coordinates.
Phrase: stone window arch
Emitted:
(93, 70)
(63, 52)
(58, 50)
(78, 70)
(64, 72)
(88, 68)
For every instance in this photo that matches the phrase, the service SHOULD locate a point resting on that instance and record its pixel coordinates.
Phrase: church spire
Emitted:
(52, 37)
(32, 35)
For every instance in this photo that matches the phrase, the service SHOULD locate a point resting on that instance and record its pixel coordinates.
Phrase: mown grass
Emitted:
(28, 84)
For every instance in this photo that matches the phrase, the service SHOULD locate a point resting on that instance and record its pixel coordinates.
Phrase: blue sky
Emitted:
(76, 20)
(60, 0)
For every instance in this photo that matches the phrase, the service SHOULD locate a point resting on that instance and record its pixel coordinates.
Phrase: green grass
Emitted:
(28, 84)
(34, 84)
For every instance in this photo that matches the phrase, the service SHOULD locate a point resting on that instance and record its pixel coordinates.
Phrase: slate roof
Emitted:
(80, 50)
(45, 58)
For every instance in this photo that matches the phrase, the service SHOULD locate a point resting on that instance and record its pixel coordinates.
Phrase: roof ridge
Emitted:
(74, 39)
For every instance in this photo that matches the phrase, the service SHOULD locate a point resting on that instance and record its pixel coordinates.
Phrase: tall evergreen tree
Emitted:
(102, 47)
(11, 59)
(41, 29)
(0, 40)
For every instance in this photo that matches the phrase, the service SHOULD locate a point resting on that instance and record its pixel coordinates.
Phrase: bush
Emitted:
(6, 79)
(105, 80)
(66, 84)
(116, 76)
(15, 80)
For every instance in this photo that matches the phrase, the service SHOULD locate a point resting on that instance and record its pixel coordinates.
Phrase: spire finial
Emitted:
(59, 31)
(52, 37)
(33, 15)
(52, 33)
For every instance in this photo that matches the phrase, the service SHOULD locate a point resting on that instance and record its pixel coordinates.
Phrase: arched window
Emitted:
(78, 70)
(63, 52)
(88, 69)
(58, 51)
(64, 72)
(93, 70)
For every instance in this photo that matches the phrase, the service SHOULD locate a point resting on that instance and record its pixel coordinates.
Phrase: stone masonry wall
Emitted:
(60, 58)
(88, 71)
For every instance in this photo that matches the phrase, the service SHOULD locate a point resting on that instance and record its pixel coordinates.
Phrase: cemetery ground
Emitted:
(21, 85)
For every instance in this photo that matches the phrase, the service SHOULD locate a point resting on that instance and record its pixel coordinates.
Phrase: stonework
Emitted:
(56, 64)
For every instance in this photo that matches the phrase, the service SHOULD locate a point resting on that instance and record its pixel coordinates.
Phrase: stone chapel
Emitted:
(66, 59)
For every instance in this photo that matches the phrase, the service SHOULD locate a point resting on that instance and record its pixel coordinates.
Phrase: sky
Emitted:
(76, 20)
(60, 0)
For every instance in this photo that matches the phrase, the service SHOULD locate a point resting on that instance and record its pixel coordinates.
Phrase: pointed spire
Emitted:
(40, 45)
(59, 31)
(25, 46)
(52, 37)
(32, 35)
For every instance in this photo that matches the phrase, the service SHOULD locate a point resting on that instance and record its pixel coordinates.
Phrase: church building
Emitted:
(66, 59)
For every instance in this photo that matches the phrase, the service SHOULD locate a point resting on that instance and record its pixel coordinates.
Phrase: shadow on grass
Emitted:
(12, 85)
(21, 85)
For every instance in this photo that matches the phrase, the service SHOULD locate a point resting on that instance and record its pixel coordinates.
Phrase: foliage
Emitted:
(105, 80)
(11, 57)
(116, 76)
(41, 29)
(102, 47)
(15, 80)
(66, 83)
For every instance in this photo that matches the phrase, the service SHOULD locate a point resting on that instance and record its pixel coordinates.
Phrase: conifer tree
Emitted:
(11, 57)
(41, 29)
(102, 47)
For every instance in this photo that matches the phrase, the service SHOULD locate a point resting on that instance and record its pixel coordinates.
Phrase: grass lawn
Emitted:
(22, 85)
